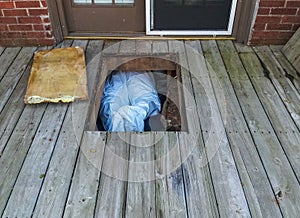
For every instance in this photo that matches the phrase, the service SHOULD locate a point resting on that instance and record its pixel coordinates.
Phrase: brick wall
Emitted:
(25, 22)
(276, 21)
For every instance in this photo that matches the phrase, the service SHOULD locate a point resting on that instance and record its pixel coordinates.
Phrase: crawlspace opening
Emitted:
(143, 94)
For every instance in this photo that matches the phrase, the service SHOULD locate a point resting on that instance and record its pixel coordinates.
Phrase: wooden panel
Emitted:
(111, 199)
(281, 120)
(290, 71)
(14, 73)
(54, 191)
(30, 178)
(219, 156)
(83, 193)
(276, 74)
(6, 59)
(279, 171)
(255, 182)
(55, 20)
(292, 50)
(169, 183)
(17, 148)
(140, 201)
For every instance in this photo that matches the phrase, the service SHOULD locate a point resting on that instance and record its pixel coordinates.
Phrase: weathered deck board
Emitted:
(83, 193)
(292, 50)
(17, 148)
(227, 185)
(57, 180)
(281, 176)
(290, 71)
(14, 73)
(253, 177)
(169, 185)
(196, 177)
(140, 201)
(111, 199)
(281, 120)
(226, 86)
(1, 50)
(30, 178)
(7, 59)
(283, 85)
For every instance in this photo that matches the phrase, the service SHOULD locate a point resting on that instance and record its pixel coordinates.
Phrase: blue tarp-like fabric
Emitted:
(127, 100)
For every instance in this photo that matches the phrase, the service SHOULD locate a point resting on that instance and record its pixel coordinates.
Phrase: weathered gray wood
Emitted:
(169, 186)
(1, 49)
(296, 63)
(292, 48)
(54, 191)
(56, 183)
(81, 108)
(17, 148)
(128, 47)
(7, 58)
(83, 193)
(159, 46)
(144, 46)
(111, 201)
(254, 180)
(140, 201)
(283, 180)
(289, 70)
(226, 180)
(196, 177)
(282, 123)
(14, 73)
(111, 47)
(283, 85)
(26, 189)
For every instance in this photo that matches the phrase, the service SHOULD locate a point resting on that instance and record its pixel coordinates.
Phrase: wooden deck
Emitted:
(240, 157)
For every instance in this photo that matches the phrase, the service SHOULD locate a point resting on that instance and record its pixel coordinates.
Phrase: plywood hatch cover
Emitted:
(57, 75)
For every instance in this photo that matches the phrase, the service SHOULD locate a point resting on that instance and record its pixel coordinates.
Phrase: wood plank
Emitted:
(7, 58)
(140, 201)
(283, 85)
(54, 191)
(282, 123)
(283, 180)
(111, 47)
(159, 46)
(196, 178)
(14, 107)
(226, 181)
(127, 47)
(254, 179)
(14, 73)
(169, 186)
(289, 70)
(292, 48)
(144, 46)
(1, 50)
(83, 193)
(111, 201)
(93, 59)
(17, 148)
(26, 189)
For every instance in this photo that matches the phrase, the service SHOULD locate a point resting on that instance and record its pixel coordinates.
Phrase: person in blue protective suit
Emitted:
(128, 99)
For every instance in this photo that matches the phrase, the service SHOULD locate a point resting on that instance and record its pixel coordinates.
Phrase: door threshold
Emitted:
(140, 36)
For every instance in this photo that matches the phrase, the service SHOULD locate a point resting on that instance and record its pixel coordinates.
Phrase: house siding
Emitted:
(276, 21)
(25, 23)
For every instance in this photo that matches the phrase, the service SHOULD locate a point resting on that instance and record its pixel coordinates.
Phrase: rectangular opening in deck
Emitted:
(167, 77)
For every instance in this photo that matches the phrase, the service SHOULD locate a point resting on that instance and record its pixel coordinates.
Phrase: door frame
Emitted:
(149, 17)
(241, 27)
